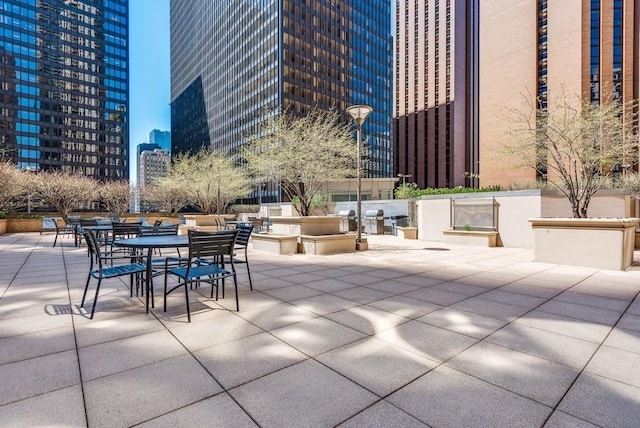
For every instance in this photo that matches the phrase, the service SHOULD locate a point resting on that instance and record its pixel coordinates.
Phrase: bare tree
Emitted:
(302, 154)
(65, 192)
(210, 178)
(166, 197)
(116, 196)
(12, 186)
(574, 143)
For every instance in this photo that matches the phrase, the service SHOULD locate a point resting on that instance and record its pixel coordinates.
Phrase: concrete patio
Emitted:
(409, 333)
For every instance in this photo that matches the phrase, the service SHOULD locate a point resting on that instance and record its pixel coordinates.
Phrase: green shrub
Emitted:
(447, 191)
(2, 214)
(243, 208)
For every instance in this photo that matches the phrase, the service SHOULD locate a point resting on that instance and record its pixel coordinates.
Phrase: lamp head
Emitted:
(359, 113)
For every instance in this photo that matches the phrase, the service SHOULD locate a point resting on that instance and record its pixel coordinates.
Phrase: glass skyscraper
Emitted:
(233, 61)
(161, 138)
(64, 85)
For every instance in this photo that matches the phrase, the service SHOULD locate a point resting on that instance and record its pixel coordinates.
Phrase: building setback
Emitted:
(64, 85)
(470, 61)
(233, 61)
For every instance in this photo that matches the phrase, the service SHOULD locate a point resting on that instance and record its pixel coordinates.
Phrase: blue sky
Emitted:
(148, 72)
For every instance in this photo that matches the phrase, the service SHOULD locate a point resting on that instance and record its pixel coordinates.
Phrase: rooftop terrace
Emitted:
(409, 333)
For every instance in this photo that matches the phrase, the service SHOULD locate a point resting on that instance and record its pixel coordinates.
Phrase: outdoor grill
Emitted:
(348, 223)
(398, 221)
(374, 222)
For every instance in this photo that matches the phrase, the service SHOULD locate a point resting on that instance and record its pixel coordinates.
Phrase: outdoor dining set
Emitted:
(117, 249)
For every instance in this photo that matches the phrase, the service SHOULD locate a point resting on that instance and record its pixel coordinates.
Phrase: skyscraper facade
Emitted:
(64, 85)
(436, 94)
(467, 62)
(234, 61)
(161, 138)
(153, 164)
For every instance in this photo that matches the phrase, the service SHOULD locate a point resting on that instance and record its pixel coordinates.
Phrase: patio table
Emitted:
(151, 242)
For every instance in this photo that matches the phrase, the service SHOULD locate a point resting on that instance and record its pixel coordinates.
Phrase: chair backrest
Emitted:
(125, 230)
(93, 246)
(204, 245)
(157, 223)
(87, 222)
(244, 233)
(170, 229)
(49, 223)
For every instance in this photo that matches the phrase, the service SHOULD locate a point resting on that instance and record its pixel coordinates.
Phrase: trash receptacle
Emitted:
(398, 220)
(374, 222)
(348, 223)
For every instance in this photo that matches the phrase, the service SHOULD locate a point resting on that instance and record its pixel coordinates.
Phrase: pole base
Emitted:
(363, 245)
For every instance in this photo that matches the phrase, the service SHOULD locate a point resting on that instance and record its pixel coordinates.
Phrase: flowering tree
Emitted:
(65, 192)
(302, 154)
(574, 143)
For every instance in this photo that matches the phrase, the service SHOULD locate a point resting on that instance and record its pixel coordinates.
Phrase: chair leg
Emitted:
(86, 287)
(55, 239)
(246, 261)
(186, 296)
(95, 300)
(235, 282)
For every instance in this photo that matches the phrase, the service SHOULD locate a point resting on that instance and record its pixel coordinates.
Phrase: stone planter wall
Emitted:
(592, 242)
(312, 225)
(328, 244)
(471, 237)
(407, 232)
(21, 225)
(278, 244)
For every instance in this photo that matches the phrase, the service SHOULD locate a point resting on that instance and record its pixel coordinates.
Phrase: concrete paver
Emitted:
(409, 333)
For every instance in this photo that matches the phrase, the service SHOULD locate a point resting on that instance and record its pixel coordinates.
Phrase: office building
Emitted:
(64, 85)
(234, 61)
(460, 64)
(152, 165)
(161, 138)
(139, 150)
(436, 95)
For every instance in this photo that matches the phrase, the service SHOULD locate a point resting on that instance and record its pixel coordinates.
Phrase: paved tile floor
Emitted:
(409, 333)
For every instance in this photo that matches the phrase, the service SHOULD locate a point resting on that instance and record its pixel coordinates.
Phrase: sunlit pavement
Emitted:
(409, 333)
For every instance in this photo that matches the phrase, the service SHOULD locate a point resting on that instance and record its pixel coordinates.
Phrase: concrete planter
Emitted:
(311, 225)
(328, 244)
(21, 225)
(3, 226)
(278, 244)
(593, 242)
(407, 232)
(471, 237)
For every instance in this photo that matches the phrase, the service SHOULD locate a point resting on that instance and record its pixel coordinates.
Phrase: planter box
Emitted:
(3, 226)
(594, 242)
(328, 244)
(278, 244)
(312, 225)
(21, 225)
(471, 237)
(407, 232)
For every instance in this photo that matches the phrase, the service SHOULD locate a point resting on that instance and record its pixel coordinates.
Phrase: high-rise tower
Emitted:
(461, 64)
(233, 60)
(64, 85)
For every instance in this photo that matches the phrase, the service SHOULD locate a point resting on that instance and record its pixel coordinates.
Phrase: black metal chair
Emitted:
(206, 263)
(101, 272)
(80, 225)
(242, 241)
(64, 230)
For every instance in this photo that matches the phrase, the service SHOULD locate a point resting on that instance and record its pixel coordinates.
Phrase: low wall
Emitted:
(515, 209)
(311, 225)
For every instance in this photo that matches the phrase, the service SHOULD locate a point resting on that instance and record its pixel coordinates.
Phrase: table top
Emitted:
(154, 241)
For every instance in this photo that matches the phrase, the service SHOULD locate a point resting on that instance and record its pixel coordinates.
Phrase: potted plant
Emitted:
(408, 191)
(577, 146)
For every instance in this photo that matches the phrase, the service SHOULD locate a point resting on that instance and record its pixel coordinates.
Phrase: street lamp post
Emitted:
(359, 114)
